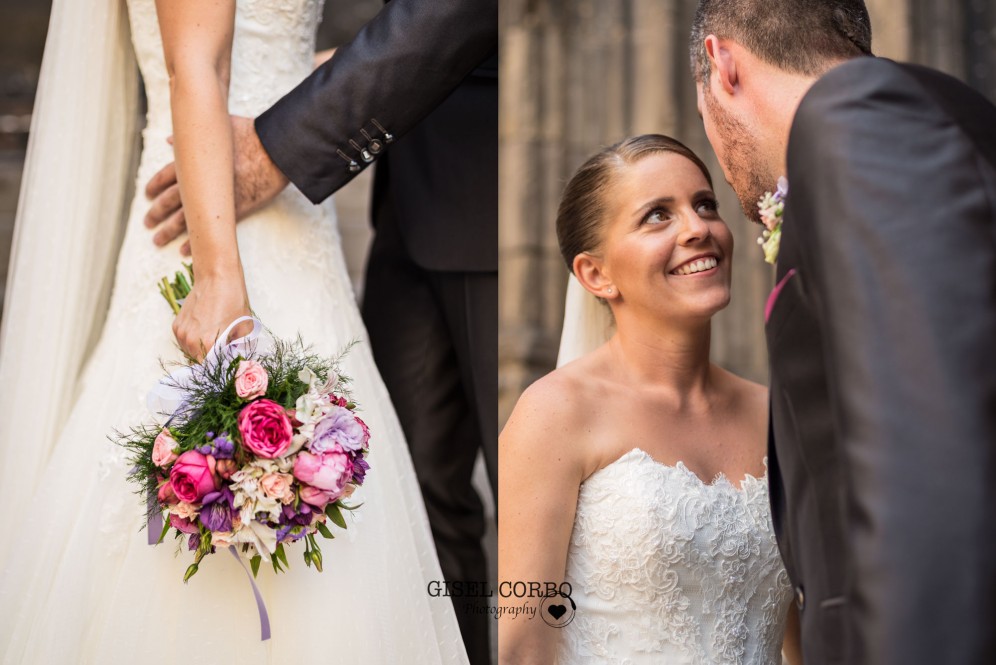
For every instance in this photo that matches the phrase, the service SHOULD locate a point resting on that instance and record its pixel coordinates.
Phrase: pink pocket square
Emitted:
(773, 296)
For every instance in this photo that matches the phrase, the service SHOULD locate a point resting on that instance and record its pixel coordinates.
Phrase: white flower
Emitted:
(248, 497)
(307, 376)
(185, 510)
(297, 442)
(330, 384)
(771, 208)
(260, 536)
(311, 407)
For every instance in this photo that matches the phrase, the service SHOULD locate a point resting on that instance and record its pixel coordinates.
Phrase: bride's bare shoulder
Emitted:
(555, 414)
(745, 399)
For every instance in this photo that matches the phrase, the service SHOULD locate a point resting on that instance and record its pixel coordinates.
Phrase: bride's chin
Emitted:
(703, 307)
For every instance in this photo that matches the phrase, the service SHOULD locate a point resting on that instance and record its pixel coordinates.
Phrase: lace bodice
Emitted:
(665, 568)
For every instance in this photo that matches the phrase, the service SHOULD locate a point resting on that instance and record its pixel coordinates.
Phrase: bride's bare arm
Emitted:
(539, 474)
(197, 41)
(792, 646)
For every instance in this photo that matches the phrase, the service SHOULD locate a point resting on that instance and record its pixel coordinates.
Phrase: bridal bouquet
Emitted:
(261, 448)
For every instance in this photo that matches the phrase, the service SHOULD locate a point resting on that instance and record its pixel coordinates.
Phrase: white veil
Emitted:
(73, 200)
(587, 323)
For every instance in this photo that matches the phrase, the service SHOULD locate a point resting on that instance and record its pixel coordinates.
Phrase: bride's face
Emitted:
(666, 251)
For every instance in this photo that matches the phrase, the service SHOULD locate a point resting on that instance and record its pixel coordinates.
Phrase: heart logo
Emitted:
(556, 611)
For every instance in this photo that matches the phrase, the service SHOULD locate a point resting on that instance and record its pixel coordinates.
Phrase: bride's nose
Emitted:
(693, 229)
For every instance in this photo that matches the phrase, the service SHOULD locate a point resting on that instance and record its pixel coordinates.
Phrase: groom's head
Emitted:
(752, 61)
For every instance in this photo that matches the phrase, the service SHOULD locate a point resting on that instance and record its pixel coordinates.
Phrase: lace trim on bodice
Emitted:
(663, 564)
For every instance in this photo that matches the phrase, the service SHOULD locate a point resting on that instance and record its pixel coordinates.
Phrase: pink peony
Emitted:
(250, 380)
(193, 476)
(277, 486)
(164, 449)
(265, 428)
(315, 497)
(328, 471)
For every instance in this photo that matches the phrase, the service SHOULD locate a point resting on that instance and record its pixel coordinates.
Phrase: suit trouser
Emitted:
(434, 336)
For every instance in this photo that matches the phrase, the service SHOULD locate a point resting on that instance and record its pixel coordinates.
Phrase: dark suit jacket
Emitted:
(883, 369)
(419, 87)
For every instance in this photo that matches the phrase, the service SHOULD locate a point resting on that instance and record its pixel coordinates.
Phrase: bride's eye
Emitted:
(707, 207)
(657, 216)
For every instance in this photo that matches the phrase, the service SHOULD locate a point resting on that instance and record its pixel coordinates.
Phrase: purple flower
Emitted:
(339, 426)
(194, 542)
(216, 510)
(360, 468)
(220, 448)
(289, 519)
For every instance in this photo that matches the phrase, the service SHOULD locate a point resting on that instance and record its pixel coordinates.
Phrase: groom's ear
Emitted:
(590, 271)
(722, 62)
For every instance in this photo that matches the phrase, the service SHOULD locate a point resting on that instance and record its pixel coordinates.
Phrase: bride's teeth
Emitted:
(700, 265)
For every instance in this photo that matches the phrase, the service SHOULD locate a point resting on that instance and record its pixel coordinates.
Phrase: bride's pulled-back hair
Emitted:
(582, 208)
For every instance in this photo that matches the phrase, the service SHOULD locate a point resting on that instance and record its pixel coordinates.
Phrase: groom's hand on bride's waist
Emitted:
(257, 182)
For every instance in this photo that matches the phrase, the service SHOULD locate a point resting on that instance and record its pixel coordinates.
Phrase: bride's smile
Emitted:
(669, 257)
(698, 265)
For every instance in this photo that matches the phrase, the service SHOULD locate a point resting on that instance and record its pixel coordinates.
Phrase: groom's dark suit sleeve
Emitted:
(893, 201)
(400, 66)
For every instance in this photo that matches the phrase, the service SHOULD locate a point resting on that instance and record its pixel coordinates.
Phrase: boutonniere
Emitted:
(772, 207)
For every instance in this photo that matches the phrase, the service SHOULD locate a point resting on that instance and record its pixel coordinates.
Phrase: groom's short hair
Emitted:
(800, 36)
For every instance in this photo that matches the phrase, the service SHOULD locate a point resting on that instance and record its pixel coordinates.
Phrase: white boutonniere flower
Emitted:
(772, 208)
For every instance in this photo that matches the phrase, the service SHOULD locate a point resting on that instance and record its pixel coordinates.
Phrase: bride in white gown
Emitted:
(79, 583)
(635, 471)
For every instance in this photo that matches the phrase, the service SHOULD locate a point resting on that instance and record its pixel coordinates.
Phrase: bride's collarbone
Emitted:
(708, 445)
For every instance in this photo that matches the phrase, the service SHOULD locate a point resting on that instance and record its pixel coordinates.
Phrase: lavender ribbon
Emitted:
(169, 395)
(155, 525)
(264, 618)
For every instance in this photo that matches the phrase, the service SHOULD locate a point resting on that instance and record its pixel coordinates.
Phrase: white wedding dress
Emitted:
(79, 583)
(666, 569)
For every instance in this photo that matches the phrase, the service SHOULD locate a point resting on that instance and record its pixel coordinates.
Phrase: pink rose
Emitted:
(193, 476)
(328, 471)
(277, 486)
(164, 449)
(184, 525)
(265, 428)
(315, 497)
(250, 380)
(167, 495)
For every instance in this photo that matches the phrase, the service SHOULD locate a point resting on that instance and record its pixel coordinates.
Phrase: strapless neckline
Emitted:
(666, 567)
(719, 481)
